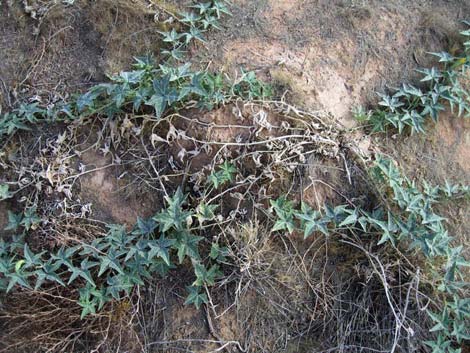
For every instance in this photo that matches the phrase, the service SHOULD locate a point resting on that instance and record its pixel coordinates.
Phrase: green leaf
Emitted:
(161, 248)
(203, 7)
(187, 245)
(311, 221)
(14, 221)
(217, 253)
(17, 278)
(87, 304)
(110, 261)
(145, 227)
(5, 192)
(285, 214)
(220, 9)
(349, 220)
(31, 258)
(205, 277)
(30, 218)
(173, 217)
(443, 56)
(205, 212)
(171, 36)
(196, 297)
(190, 18)
(194, 33)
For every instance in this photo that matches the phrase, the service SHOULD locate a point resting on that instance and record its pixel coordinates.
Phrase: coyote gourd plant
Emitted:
(109, 267)
(160, 87)
(411, 219)
(409, 107)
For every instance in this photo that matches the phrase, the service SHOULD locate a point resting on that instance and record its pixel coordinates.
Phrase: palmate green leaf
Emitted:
(205, 277)
(388, 228)
(64, 256)
(218, 253)
(203, 7)
(3, 284)
(47, 273)
(389, 170)
(194, 87)
(80, 272)
(17, 278)
(164, 95)
(285, 214)
(189, 18)
(205, 212)
(196, 297)
(161, 248)
(460, 331)
(7, 264)
(87, 304)
(433, 110)
(177, 73)
(118, 95)
(10, 122)
(443, 56)
(4, 248)
(228, 170)
(16, 242)
(432, 74)
(412, 91)
(131, 77)
(441, 320)
(220, 8)
(176, 53)
(187, 245)
(449, 189)
(432, 192)
(417, 122)
(141, 95)
(14, 221)
(460, 306)
(30, 111)
(392, 103)
(194, 34)
(311, 221)
(5, 192)
(211, 21)
(145, 226)
(30, 218)
(117, 235)
(88, 99)
(146, 63)
(111, 261)
(428, 216)
(441, 345)
(171, 37)
(117, 284)
(173, 217)
(100, 298)
(32, 259)
(158, 103)
(138, 250)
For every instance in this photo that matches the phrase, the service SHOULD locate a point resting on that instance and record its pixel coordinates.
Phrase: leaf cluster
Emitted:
(410, 107)
(160, 88)
(412, 220)
(110, 267)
